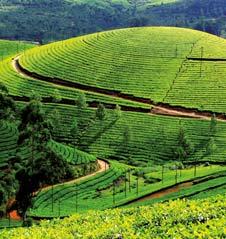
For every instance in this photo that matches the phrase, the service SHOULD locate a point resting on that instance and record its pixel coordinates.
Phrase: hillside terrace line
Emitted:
(155, 108)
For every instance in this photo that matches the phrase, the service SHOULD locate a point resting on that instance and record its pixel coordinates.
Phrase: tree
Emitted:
(213, 126)
(43, 168)
(7, 104)
(55, 120)
(101, 112)
(74, 133)
(117, 112)
(183, 148)
(81, 102)
(56, 96)
(210, 145)
(127, 137)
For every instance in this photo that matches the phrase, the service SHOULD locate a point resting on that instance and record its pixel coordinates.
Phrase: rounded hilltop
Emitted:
(165, 64)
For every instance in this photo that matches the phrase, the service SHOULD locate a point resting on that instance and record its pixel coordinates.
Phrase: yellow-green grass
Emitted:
(10, 48)
(148, 62)
(191, 219)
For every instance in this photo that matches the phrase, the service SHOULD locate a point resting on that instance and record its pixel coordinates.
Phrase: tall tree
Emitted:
(117, 112)
(127, 137)
(81, 102)
(101, 112)
(44, 166)
(74, 133)
(184, 148)
(7, 105)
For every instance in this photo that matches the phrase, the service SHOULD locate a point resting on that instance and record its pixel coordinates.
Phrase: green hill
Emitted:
(139, 69)
(95, 61)
(152, 63)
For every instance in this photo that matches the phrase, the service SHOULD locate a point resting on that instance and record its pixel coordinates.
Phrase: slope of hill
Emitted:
(9, 48)
(191, 219)
(148, 68)
(82, 163)
(140, 69)
(170, 65)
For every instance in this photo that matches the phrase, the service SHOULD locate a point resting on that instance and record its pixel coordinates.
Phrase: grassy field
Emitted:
(161, 221)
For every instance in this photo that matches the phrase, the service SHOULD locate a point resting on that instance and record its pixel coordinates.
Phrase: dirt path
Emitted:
(155, 109)
(103, 166)
(165, 192)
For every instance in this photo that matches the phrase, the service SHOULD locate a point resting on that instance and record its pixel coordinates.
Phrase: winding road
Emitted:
(103, 166)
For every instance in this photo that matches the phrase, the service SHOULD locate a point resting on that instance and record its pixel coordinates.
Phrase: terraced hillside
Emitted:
(141, 69)
(9, 149)
(171, 65)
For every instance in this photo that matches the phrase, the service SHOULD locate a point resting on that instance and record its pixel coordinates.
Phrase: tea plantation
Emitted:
(191, 219)
(101, 92)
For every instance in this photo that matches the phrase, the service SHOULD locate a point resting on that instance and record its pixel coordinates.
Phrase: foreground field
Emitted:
(190, 220)
(116, 187)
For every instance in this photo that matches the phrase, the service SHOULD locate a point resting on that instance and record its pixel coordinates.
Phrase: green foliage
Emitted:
(196, 218)
(101, 112)
(184, 148)
(118, 112)
(213, 126)
(7, 105)
(56, 96)
(81, 102)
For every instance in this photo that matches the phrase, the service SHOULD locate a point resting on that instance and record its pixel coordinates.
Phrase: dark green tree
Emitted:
(184, 148)
(56, 96)
(7, 104)
(101, 112)
(127, 138)
(74, 133)
(81, 102)
(44, 166)
(213, 126)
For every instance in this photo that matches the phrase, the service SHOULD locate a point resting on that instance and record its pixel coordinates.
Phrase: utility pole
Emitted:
(76, 198)
(125, 184)
(137, 185)
(52, 198)
(113, 193)
(201, 62)
(129, 182)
